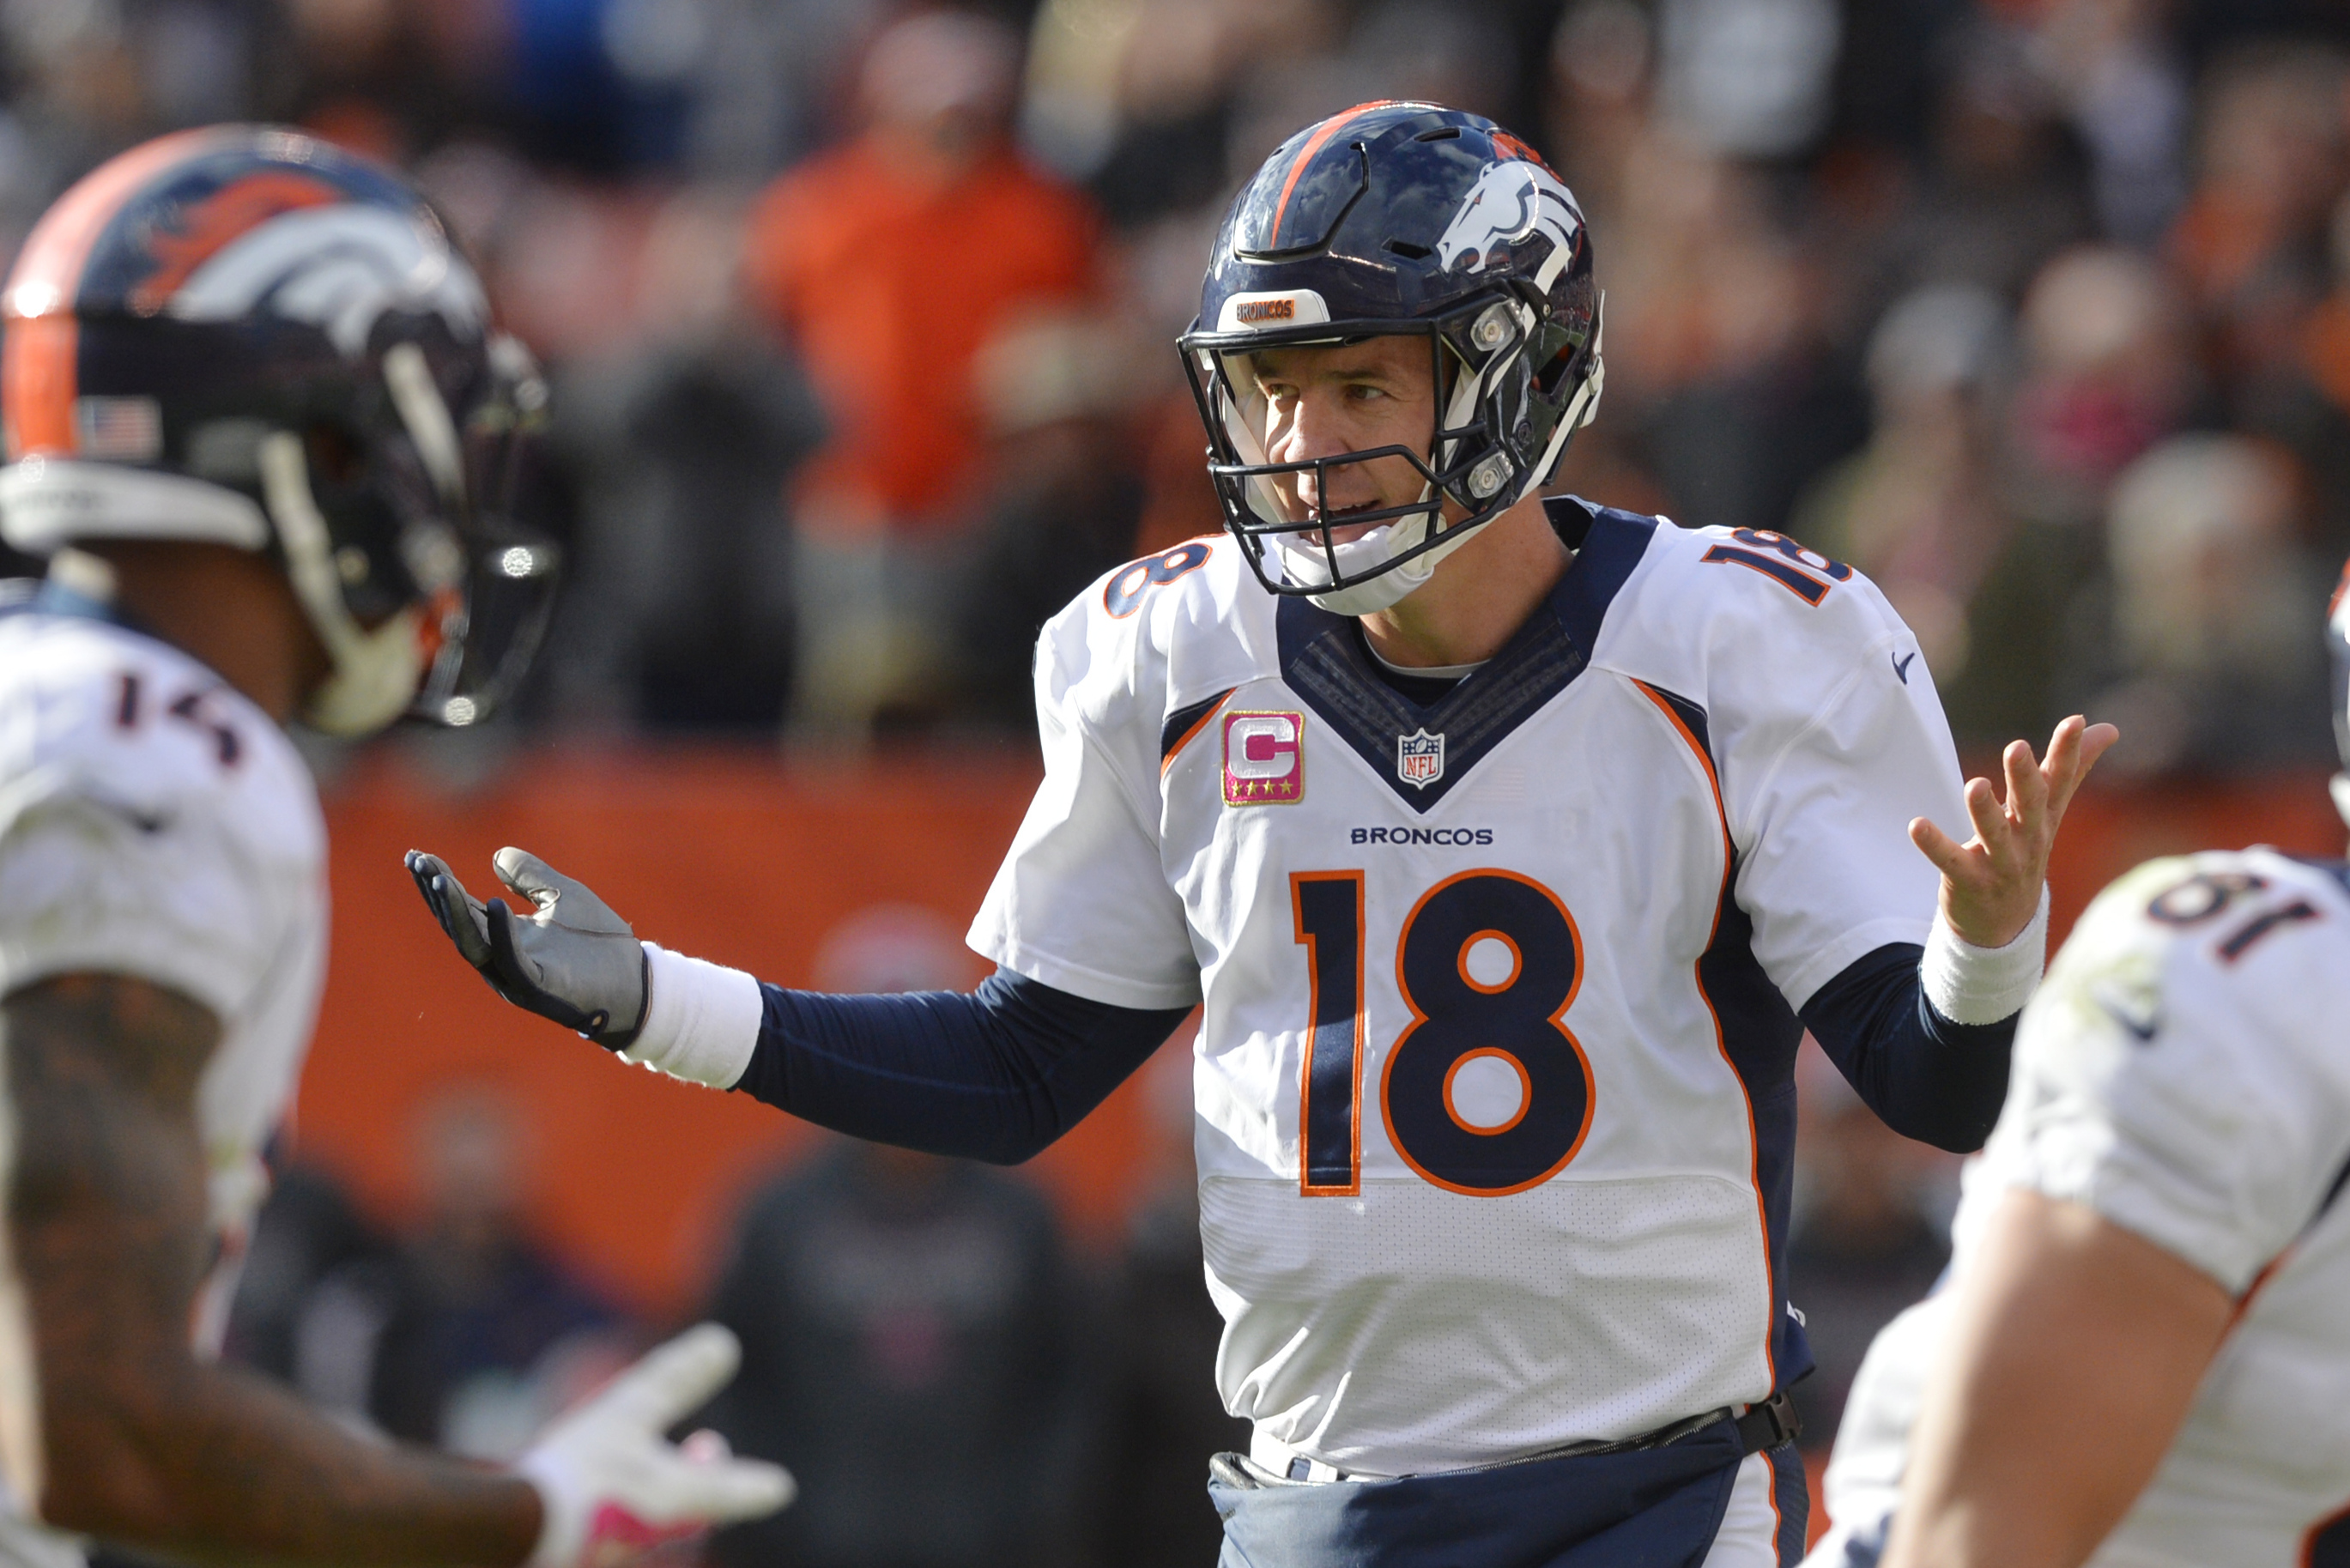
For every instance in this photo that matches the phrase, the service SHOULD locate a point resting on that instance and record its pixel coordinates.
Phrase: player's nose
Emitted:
(1315, 429)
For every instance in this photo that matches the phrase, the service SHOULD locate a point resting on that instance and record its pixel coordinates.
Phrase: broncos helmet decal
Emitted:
(1509, 202)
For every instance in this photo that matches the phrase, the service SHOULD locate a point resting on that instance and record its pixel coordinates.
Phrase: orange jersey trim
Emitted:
(1193, 734)
(1753, 1133)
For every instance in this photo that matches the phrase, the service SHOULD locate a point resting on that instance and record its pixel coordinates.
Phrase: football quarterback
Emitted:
(1509, 843)
(2140, 1354)
(259, 422)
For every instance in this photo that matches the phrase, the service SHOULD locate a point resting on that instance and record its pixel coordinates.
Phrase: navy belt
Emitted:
(1770, 1425)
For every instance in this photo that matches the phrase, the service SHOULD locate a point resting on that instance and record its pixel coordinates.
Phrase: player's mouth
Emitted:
(1341, 531)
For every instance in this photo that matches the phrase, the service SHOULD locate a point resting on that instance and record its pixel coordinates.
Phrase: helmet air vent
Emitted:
(1293, 210)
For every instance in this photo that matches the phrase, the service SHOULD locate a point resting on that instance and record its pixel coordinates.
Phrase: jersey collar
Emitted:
(1327, 667)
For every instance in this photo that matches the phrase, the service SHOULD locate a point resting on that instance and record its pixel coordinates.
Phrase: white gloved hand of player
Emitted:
(612, 1485)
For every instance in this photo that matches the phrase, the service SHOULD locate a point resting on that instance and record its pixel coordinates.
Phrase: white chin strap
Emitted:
(376, 672)
(1304, 563)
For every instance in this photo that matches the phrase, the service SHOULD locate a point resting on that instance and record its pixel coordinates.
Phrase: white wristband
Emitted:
(1967, 984)
(701, 1019)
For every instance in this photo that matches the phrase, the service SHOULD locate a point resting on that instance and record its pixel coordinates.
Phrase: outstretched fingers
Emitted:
(720, 1489)
(529, 875)
(1991, 884)
(2027, 789)
(2064, 751)
(2073, 751)
(676, 1378)
(1952, 858)
(556, 898)
(1995, 839)
(461, 915)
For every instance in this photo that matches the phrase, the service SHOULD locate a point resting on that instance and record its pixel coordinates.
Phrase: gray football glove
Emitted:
(572, 959)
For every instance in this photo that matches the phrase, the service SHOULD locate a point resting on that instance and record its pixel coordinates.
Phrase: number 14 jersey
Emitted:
(1496, 1114)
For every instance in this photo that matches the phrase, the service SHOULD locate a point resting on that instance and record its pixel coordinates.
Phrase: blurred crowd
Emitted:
(859, 316)
(860, 312)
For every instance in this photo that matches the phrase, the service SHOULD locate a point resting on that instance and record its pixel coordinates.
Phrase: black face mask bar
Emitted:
(1483, 467)
(513, 568)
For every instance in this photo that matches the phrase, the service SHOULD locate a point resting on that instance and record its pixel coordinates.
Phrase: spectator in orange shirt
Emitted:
(890, 262)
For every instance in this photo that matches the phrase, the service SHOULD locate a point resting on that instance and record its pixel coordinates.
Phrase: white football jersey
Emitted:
(155, 823)
(1495, 1116)
(2182, 1071)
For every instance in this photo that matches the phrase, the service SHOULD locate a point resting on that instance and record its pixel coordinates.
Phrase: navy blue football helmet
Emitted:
(243, 336)
(1400, 219)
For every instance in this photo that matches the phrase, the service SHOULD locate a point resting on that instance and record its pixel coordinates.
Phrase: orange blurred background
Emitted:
(735, 857)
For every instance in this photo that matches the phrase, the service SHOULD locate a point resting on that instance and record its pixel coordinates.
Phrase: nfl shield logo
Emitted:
(1419, 758)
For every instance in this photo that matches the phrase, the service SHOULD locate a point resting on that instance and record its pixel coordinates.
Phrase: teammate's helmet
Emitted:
(2338, 641)
(1390, 218)
(243, 335)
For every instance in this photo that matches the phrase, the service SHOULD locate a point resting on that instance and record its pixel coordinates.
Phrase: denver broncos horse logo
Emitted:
(1510, 201)
(198, 230)
(338, 268)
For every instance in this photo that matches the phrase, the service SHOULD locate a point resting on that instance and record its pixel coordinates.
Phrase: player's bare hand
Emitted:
(1991, 883)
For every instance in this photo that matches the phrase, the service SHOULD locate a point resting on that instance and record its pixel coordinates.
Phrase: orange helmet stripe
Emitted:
(1515, 147)
(1330, 128)
(38, 372)
(37, 385)
(49, 274)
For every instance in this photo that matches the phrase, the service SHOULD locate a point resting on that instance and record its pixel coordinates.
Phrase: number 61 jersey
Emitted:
(2181, 1074)
(1494, 1104)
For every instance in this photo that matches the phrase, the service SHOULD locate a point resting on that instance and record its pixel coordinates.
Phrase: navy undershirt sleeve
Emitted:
(997, 1073)
(1929, 1078)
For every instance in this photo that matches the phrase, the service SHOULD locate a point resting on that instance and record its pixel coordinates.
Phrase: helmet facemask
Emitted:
(510, 566)
(1495, 436)
(397, 545)
(373, 673)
